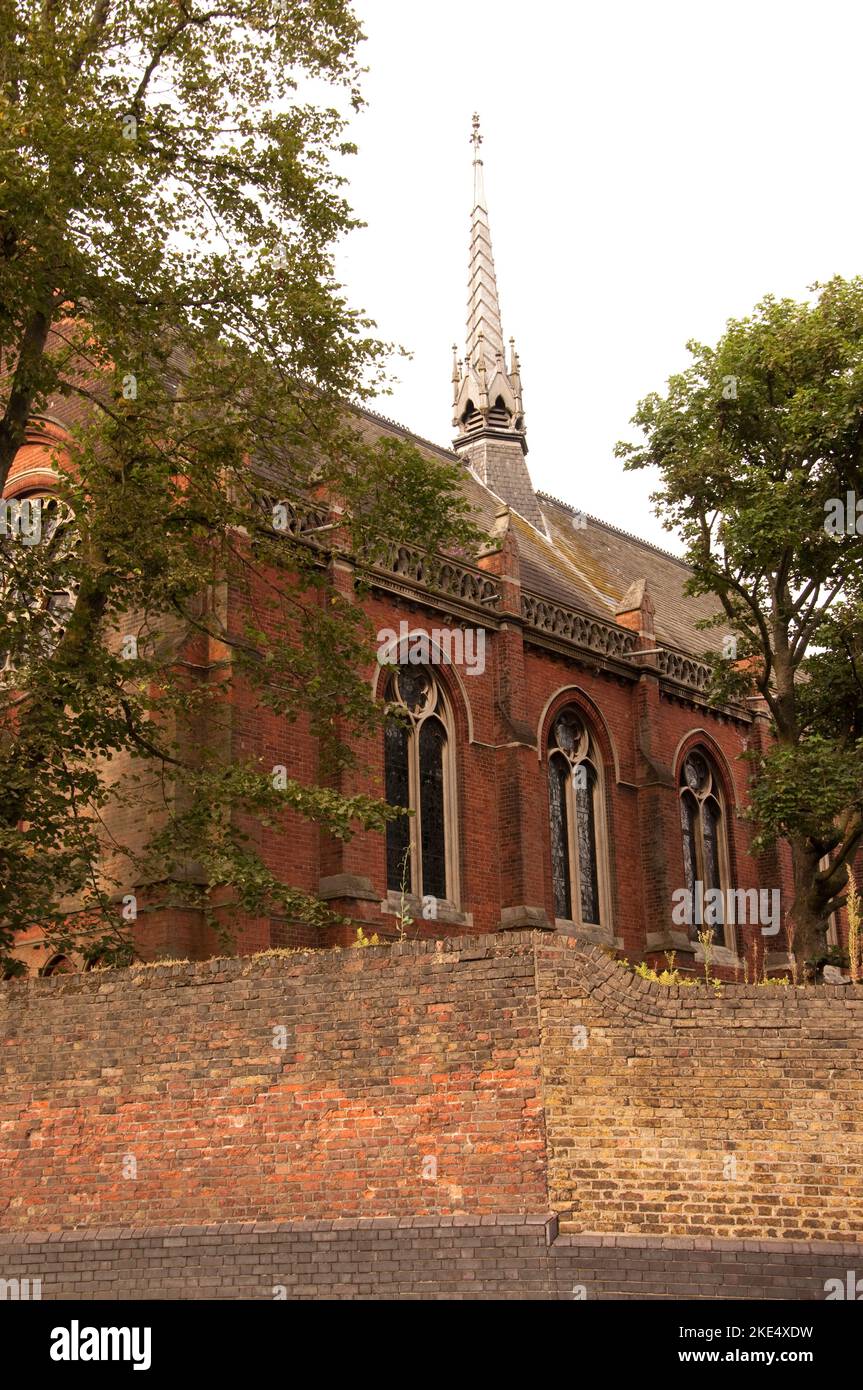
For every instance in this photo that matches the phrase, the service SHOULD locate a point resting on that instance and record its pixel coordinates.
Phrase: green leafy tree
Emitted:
(168, 213)
(759, 443)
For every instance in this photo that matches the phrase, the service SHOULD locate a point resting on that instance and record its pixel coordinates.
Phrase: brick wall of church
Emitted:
(485, 1084)
(501, 717)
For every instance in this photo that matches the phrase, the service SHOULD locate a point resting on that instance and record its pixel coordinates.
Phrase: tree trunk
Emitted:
(808, 921)
(25, 386)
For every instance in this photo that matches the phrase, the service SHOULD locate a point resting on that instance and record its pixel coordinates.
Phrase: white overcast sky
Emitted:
(652, 169)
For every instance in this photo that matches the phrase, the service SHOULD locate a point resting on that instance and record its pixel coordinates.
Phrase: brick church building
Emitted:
(566, 769)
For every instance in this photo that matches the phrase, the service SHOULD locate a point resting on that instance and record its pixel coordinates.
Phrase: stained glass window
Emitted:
(696, 772)
(710, 822)
(414, 688)
(417, 775)
(575, 810)
(396, 781)
(432, 741)
(688, 818)
(585, 816)
(702, 826)
(558, 776)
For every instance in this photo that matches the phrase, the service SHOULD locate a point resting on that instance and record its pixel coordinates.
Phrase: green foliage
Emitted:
(167, 222)
(855, 945)
(783, 796)
(107, 953)
(363, 940)
(664, 977)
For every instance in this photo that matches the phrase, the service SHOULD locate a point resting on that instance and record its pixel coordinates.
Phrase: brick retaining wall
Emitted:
(683, 1141)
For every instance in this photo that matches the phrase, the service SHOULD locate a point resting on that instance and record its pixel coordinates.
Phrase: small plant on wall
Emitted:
(855, 945)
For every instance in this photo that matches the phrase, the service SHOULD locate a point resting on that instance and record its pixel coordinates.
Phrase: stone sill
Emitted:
(778, 960)
(446, 911)
(680, 942)
(670, 941)
(719, 955)
(597, 936)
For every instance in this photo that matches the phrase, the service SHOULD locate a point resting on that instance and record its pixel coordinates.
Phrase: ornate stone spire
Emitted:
(484, 332)
(486, 395)
(487, 406)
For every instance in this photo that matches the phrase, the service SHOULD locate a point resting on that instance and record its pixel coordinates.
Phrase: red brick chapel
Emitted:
(565, 767)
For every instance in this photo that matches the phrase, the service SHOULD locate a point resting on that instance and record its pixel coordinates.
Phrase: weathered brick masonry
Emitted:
(512, 1115)
(688, 1114)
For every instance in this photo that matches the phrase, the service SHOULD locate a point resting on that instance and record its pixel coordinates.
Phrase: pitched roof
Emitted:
(588, 566)
(599, 563)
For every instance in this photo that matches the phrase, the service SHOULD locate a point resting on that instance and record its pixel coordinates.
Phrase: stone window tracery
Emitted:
(702, 822)
(577, 822)
(419, 774)
(37, 580)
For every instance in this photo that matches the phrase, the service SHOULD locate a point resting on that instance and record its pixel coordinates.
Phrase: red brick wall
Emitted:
(396, 1060)
(466, 1054)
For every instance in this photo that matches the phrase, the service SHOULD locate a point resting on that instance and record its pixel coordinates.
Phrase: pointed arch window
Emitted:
(703, 826)
(471, 418)
(58, 965)
(419, 774)
(49, 607)
(832, 937)
(577, 823)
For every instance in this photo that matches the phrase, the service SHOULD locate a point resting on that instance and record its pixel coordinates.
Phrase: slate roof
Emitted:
(589, 567)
